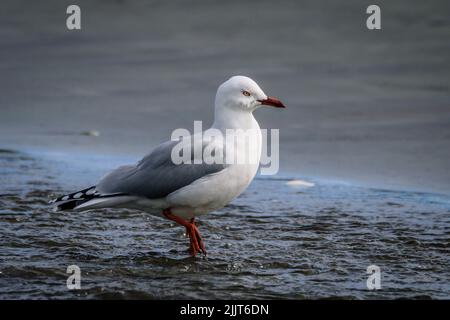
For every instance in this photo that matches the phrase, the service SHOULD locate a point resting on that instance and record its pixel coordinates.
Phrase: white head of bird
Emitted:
(244, 94)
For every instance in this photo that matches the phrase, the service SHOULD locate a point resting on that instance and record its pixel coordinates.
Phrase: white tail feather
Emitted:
(109, 202)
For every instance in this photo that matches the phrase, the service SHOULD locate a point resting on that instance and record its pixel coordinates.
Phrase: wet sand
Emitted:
(364, 107)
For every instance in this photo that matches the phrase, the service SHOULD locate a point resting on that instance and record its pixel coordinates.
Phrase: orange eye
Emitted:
(246, 93)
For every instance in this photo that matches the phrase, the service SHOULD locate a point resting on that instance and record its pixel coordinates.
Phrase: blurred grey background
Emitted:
(364, 107)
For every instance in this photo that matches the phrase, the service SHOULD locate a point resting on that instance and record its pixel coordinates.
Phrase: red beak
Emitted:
(274, 102)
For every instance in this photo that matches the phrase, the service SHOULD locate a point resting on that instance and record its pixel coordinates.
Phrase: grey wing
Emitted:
(155, 176)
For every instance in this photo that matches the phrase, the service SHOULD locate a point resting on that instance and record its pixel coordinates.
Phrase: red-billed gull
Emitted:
(183, 191)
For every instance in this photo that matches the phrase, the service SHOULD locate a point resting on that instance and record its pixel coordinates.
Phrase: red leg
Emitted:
(200, 242)
(196, 242)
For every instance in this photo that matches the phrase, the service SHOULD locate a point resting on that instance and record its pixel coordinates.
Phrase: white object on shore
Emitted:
(300, 184)
(91, 133)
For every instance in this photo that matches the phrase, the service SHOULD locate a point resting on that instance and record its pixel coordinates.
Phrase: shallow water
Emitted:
(277, 240)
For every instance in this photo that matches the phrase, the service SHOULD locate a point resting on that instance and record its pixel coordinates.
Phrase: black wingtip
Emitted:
(84, 194)
(68, 205)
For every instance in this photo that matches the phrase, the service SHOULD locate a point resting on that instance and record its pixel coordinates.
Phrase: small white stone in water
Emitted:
(300, 184)
(91, 133)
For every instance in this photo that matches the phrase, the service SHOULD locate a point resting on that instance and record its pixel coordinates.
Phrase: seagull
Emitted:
(183, 191)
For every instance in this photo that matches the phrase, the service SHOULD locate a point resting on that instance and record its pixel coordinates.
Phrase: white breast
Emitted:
(217, 190)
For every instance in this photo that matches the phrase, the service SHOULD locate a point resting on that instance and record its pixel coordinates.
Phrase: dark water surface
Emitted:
(277, 240)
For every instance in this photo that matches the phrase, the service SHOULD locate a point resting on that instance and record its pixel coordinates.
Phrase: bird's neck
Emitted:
(234, 119)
